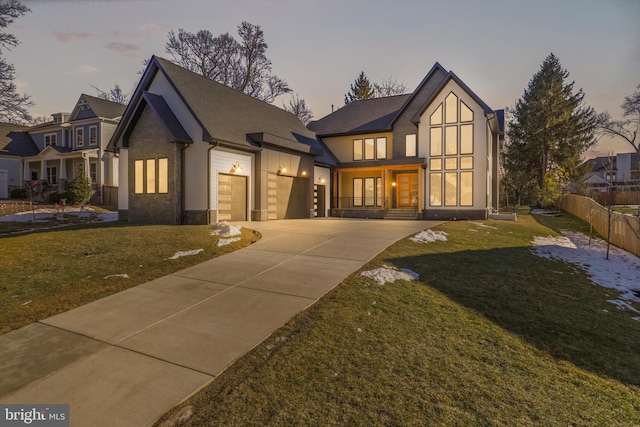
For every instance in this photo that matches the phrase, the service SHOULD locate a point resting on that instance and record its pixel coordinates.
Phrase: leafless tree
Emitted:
(389, 87)
(115, 94)
(242, 65)
(13, 106)
(299, 108)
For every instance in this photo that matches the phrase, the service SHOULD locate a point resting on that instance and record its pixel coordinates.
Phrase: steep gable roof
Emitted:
(100, 107)
(224, 114)
(369, 115)
(381, 114)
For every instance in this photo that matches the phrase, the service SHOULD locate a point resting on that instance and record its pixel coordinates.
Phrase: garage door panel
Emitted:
(232, 197)
(293, 197)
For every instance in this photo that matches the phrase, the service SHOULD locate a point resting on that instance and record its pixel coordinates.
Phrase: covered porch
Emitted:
(378, 191)
(54, 168)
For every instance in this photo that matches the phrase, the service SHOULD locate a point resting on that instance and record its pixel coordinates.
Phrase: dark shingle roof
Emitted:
(369, 115)
(228, 115)
(21, 145)
(103, 107)
(5, 128)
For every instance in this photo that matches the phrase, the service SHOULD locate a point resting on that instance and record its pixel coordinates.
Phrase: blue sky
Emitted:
(320, 46)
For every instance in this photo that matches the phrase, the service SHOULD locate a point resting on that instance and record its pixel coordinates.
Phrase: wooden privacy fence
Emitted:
(109, 196)
(625, 229)
(623, 198)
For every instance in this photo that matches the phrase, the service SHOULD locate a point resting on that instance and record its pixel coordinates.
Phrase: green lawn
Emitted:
(489, 335)
(51, 271)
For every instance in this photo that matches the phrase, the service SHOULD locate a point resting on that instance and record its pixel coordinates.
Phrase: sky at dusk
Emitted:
(320, 46)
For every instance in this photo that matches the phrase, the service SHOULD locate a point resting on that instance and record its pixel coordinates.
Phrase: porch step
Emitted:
(401, 213)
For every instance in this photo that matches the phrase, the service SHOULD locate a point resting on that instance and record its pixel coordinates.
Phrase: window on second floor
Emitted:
(370, 148)
(80, 137)
(50, 139)
(93, 135)
(411, 149)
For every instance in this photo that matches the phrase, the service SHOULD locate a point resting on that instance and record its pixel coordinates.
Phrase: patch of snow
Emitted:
(428, 236)
(623, 305)
(223, 242)
(637, 319)
(390, 274)
(620, 272)
(44, 214)
(539, 211)
(482, 224)
(185, 253)
(124, 276)
(40, 214)
(225, 229)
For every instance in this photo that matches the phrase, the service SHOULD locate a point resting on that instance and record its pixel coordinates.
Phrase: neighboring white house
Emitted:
(50, 154)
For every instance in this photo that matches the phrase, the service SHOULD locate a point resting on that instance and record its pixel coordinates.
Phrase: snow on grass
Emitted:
(185, 253)
(390, 274)
(225, 229)
(429, 236)
(482, 224)
(620, 272)
(223, 242)
(44, 214)
(123, 276)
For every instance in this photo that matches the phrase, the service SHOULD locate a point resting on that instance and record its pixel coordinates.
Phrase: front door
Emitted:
(407, 194)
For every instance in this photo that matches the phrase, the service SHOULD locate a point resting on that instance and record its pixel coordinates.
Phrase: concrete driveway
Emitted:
(126, 359)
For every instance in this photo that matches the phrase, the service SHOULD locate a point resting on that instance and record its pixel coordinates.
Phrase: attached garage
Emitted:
(232, 197)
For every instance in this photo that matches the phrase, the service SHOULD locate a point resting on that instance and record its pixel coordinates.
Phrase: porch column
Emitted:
(26, 171)
(85, 165)
(43, 170)
(63, 169)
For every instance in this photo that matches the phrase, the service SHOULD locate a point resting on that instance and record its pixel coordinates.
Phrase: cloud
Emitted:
(127, 49)
(70, 37)
(153, 27)
(122, 47)
(81, 69)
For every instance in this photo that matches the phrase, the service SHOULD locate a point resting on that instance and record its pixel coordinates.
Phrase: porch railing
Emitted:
(360, 203)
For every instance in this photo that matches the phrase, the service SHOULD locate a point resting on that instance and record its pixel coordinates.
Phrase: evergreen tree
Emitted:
(549, 131)
(360, 89)
(80, 189)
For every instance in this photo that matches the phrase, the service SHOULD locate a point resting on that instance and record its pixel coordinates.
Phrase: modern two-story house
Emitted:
(193, 151)
(51, 154)
(430, 154)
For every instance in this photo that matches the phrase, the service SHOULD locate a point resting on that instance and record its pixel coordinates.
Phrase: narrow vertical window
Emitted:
(357, 191)
(357, 149)
(451, 140)
(151, 176)
(451, 108)
(93, 135)
(436, 142)
(369, 149)
(79, 137)
(435, 189)
(451, 189)
(163, 175)
(436, 117)
(369, 191)
(378, 191)
(411, 149)
(139, 177)
(381, 148)
(466, 188)
(466, 139)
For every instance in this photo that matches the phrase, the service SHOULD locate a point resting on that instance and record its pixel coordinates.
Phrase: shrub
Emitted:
(19, 193)
(79, 190)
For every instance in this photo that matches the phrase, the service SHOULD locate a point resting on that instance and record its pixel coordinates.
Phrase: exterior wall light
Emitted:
(321, 179)
(235, 168)
(282, 169)
(304, 173)
(393, 184)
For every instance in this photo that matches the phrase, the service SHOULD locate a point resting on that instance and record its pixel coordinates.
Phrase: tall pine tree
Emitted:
(360, 89)
(549, 131)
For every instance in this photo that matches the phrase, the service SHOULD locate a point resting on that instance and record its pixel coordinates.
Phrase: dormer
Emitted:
(59, 118)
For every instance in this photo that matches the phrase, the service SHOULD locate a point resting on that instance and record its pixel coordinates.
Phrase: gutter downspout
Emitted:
(212, 145)
(182, 184)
